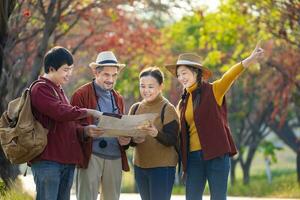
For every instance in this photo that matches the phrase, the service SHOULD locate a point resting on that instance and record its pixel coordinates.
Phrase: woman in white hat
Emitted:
(205, 139)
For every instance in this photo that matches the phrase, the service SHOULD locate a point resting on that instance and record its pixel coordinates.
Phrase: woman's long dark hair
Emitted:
(198, 90)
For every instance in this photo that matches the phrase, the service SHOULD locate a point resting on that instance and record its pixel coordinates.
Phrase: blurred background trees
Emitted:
(264, 101)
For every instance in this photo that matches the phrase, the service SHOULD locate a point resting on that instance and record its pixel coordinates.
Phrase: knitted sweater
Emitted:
(158, 151)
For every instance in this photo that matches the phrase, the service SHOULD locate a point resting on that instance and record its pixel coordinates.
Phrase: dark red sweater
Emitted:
(56, 114)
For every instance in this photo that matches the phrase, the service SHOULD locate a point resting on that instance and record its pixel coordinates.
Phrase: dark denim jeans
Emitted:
(155, 183)
(215, 171)
(53, 180)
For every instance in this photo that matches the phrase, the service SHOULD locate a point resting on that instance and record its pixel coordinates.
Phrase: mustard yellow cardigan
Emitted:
(220, 87)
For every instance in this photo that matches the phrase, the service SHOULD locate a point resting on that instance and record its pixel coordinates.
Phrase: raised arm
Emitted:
(222, 85)
(256, 54)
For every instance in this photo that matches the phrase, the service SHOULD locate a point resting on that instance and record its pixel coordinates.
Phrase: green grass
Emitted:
(284, 184)
(14, 193)
(2, 187)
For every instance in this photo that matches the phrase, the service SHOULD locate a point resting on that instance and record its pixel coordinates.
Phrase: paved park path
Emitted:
(29, 186)
(181, 197)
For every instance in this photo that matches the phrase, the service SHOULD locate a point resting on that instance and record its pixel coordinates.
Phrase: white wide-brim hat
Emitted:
(106, 59)
(189, 59)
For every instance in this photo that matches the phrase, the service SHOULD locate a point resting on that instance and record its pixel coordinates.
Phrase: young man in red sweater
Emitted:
(53, 169)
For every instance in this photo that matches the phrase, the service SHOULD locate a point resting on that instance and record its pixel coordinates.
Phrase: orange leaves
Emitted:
(26, 13)
(284, 84)
(281, 103)
(124, 33)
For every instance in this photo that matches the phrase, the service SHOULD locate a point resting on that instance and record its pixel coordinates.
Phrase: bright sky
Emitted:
(178, 12)
(211, 5)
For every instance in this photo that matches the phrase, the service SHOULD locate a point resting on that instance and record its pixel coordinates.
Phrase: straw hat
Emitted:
(189, 59)
(106, 58)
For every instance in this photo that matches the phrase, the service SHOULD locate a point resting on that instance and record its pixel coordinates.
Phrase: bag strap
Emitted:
(51, 124)
(162, 114)
(40, 81)
(135, 109)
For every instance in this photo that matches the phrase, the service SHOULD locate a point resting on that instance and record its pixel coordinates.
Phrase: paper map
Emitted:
(126, 126)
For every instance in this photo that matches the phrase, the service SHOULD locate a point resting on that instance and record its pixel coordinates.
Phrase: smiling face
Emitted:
(106, 77)
(149, 88)
(62, 75)
(186, 76)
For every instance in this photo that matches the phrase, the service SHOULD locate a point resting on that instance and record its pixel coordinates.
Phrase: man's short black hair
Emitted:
(57, 57)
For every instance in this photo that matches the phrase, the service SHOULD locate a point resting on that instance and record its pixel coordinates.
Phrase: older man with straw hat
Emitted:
(104, 157)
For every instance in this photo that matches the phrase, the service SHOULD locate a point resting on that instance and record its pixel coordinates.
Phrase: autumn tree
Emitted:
(30, 28)
(6, 8)
(284, 26)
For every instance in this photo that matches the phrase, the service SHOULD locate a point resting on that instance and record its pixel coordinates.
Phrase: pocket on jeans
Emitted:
(220, 163)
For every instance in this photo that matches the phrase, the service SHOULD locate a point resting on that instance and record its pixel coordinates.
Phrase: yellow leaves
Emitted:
(224, 68)
(254, 68)
(112, 14)
(298, 77)
(64, 26)
(214, 57)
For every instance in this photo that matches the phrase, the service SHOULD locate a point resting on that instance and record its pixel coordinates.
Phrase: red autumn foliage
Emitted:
(26, 13)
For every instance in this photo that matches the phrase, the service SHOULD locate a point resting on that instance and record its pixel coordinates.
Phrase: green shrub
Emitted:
(284, 184)
(2, 187)
(15, 195)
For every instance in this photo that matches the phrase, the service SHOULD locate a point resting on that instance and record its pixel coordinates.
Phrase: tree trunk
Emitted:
(247, 165)
(6, 8)
(51, 21)
(289, 137)
(298, 167)
(246, 175)
(38, 61)
(232, 171)
(3, 30)
(8, 172)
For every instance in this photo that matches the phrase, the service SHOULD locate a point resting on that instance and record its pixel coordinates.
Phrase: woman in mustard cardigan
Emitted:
(205, 139)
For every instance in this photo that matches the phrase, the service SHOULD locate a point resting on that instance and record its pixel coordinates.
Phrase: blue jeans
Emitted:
(53, 180)
(215, 171)
(155, 183)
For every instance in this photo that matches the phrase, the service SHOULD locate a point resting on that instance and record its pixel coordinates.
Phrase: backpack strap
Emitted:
(162, 114)
(35, 82)
(51, 124)
(135, 109)
(40, 81)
